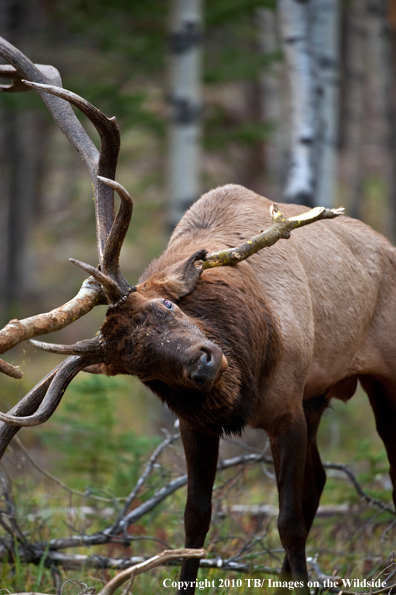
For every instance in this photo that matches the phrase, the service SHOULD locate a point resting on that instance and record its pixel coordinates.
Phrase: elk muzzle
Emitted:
(206, 365)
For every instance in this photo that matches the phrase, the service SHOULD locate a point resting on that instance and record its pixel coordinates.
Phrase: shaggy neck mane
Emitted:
(226, 306)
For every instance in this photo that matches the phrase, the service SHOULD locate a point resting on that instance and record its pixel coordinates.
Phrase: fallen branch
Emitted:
(358, 487)
(280, 228)
(162, 558)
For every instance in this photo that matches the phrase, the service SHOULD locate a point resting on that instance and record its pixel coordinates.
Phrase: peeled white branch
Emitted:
(280, 228)
(164, 556)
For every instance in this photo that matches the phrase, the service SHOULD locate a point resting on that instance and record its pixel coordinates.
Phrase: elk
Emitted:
(226, 333)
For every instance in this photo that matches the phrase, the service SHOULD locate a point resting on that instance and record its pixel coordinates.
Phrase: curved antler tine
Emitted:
(88, 347)
(114, 291)
(26, 406)
(111, 256)
(110, 145)
(69, 368)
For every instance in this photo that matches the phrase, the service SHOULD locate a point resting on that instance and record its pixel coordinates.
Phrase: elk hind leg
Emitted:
(383, 402)
(289, 454)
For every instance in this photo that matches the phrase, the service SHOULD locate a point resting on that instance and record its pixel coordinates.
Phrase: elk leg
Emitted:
(314, 475)
(289, 454)
(383, 403)
(201, 451)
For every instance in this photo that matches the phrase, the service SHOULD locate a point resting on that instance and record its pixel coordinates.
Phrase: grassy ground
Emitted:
(99, 441)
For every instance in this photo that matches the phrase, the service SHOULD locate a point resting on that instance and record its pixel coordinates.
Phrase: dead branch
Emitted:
(280, 228)
(358, 487)
(162, 558)
(148, 469)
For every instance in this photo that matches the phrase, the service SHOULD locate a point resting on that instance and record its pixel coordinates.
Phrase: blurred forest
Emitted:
(242, 117)
(119, 58)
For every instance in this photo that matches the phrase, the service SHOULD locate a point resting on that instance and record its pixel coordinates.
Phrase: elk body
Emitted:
(298, 323)
(265, 343)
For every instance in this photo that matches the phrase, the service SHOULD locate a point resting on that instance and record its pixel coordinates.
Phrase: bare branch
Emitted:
(149, 467)
(280, 228)
(358, 487)
(90, 295)
(163, 557)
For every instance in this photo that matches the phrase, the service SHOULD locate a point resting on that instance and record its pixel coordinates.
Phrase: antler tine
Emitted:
(69, 368)
(88, 347)
(113, 290)
(109, 148)
(26, 406)
(111, 256)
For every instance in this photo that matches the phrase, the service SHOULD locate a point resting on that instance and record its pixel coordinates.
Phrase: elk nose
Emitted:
(209, 367)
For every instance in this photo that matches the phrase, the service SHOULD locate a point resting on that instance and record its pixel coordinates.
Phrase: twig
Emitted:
(58, 481)
(148, 469)
(358, 487)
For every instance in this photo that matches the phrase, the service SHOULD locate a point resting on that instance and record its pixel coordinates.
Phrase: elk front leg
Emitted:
(289, 454)
(201, 452)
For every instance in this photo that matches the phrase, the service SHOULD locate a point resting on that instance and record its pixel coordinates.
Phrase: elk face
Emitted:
(154, 340)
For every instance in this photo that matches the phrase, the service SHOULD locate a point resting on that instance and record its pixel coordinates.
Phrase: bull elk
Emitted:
(266, 342)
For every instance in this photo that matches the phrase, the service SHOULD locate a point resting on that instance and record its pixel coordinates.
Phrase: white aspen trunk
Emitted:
(294, 22)
(325, 27)
(273, 106)
(185, 106)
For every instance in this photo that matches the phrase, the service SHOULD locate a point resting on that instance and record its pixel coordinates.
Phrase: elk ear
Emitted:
(182, 277)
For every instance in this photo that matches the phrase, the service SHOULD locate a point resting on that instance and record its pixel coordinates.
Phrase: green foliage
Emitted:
(86, 436)
(220, 11)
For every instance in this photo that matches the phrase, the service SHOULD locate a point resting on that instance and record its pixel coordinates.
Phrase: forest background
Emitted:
(120, 58)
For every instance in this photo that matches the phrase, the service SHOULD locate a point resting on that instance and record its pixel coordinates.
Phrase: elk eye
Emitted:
(168, 304)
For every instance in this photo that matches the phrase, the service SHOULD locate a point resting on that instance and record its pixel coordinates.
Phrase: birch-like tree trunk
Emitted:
(185, 41)
(309, 34)
(295, 37)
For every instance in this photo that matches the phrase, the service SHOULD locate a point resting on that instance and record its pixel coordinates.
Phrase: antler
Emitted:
(108, 284)
(111, 231)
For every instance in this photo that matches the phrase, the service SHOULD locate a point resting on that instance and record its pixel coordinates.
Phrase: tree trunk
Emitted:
(185, 41)
(294, 21)
(21, 155)
(272, 105)
(355, 107)
(325, 44)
